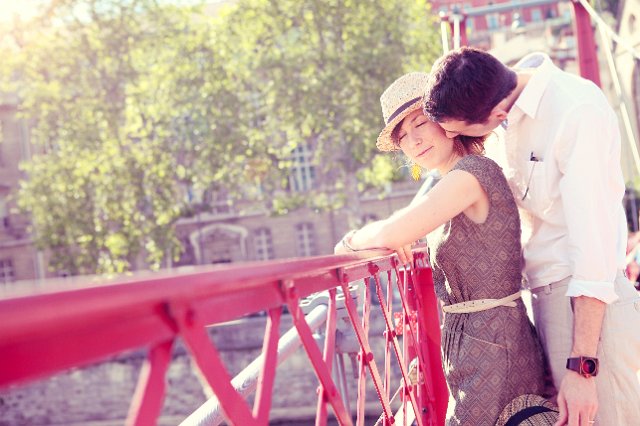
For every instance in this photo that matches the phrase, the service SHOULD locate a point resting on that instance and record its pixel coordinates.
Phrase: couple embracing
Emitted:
(559, 175)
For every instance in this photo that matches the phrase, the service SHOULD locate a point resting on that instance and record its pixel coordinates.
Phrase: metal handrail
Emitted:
(53, 327)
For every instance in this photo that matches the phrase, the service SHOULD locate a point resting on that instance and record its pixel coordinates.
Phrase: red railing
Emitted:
(64, 325)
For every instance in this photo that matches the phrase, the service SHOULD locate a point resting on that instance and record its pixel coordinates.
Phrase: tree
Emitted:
(114, 91)
(316, 69)
(140, 110)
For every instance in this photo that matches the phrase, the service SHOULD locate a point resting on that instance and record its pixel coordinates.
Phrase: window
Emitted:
(469, 22)
(536, 15)
(492, 21)
(4, 216)
(302, 171)
(305, 238)
(263, 244)
(6, 271)
(220, 202)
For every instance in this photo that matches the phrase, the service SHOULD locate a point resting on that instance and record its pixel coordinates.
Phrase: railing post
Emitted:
(149, 395)
(429, 338)
(321, 369)
(210, 364)
(262, 403)
(587, 50)
(328, 354)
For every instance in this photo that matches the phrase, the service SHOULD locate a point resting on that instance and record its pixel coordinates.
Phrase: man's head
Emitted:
(467, 90)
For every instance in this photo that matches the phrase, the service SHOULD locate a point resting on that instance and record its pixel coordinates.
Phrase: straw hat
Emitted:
(399, 100)
(528, 410)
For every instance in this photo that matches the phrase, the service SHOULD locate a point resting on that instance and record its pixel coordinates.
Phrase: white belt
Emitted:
(481, 304)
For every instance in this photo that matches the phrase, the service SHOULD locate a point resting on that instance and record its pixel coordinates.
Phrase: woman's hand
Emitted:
(341, 249)
(405, 255)
(344, 245)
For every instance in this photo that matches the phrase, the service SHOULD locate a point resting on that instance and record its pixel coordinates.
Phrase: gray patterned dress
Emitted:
(492, 356)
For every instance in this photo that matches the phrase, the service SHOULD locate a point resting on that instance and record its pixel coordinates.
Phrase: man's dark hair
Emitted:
(466, 84)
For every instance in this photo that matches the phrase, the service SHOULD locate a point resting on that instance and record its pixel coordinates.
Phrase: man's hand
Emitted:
(577, 397)
(577, 400)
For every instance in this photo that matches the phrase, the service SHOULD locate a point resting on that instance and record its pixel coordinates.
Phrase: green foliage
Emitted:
(141, 110)
(318, 68)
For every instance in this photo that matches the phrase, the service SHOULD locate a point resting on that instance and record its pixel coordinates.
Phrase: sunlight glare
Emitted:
(23, 9)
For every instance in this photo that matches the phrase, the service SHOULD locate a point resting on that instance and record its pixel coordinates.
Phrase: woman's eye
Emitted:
(421, 124)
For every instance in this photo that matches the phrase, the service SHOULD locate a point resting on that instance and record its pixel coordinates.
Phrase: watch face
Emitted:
(589, 366)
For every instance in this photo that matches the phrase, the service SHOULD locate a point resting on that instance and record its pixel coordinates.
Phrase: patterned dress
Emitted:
(492, 356)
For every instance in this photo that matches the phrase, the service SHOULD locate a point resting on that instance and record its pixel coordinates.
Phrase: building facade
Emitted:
(628, 69)
(19, 259)
(226, 233)
(495, 21)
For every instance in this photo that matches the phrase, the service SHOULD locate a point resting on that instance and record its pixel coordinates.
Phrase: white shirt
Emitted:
(561, 156)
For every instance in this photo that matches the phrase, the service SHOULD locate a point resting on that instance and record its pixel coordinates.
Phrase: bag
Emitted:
(528, 410)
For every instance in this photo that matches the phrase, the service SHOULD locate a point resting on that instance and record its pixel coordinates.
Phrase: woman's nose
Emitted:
(416, 140)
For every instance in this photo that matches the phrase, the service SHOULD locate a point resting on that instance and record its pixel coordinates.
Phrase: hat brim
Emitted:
(385, 141)
(547, 416)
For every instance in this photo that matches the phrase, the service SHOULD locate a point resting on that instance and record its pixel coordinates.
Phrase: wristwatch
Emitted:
(583, 365)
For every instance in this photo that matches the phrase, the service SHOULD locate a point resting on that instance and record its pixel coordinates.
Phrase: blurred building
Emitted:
(227, 232)
(19, 259)
(628, 68)
(479, 27)
(233, 232)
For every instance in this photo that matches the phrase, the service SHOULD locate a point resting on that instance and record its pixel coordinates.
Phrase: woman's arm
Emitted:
(456, 191)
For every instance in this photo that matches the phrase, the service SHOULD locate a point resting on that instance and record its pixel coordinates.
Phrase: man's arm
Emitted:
(591, 188)
(577, 398)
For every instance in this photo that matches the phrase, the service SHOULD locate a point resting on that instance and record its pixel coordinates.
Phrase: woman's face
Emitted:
(424, 142)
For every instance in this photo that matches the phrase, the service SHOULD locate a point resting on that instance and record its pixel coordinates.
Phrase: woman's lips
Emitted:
(424, 152)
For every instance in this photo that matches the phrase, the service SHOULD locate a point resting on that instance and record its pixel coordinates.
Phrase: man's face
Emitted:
(453, 128)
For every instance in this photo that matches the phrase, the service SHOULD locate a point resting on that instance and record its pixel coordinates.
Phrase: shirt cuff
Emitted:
(601, 290)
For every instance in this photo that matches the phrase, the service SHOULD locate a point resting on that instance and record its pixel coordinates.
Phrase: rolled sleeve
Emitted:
(592, 189)
(601, 290)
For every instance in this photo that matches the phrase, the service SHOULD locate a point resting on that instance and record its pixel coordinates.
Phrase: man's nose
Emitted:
(451, 135)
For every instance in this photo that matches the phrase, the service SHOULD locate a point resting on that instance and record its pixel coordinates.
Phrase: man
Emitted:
(561, 156)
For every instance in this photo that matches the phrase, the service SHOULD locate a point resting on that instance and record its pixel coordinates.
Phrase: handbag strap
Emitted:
(525, 413)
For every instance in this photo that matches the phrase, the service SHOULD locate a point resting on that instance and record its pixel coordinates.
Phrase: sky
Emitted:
(25, 9)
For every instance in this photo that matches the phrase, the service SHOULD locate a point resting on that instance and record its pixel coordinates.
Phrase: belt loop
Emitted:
(548, 289)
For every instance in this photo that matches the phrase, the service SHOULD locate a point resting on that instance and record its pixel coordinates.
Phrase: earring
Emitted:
(416, 172)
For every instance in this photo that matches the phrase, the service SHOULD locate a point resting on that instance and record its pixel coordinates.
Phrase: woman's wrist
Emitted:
(346, 240)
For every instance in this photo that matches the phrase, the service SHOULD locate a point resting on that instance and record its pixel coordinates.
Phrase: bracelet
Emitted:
(348, 236)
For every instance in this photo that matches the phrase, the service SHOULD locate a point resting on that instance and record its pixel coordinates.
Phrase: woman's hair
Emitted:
(469, 144)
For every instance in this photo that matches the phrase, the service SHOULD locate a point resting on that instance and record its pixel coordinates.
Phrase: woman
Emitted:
(490, 350)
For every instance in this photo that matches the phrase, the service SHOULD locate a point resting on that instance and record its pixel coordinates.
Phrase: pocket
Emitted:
(482, 341)
(620, 336)
(538, 198)
(621, 325)
(627, 294)
(479, 360)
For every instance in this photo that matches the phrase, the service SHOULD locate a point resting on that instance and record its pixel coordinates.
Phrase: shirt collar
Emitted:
(529, 99)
